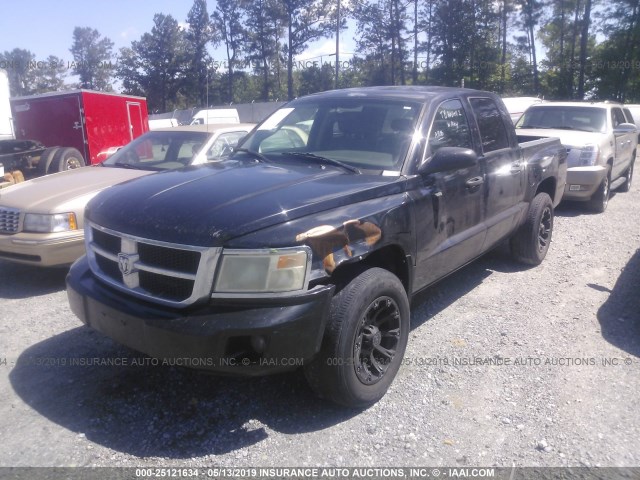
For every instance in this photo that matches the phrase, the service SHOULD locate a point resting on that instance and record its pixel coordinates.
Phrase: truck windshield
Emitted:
(584, 119)
(353, 134)
(159, 150)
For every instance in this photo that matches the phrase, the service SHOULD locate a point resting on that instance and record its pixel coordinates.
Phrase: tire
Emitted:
(365, 340)
(67, 158)
(531, 242)
(626, 186)
(599, 201)
(45, 160)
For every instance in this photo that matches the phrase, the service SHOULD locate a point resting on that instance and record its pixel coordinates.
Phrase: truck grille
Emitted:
(165, 273)
(9, 220)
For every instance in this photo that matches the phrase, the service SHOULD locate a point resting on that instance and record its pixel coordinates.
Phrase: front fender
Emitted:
(345, 234)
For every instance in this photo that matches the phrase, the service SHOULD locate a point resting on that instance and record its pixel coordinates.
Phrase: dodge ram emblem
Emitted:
(125, 263)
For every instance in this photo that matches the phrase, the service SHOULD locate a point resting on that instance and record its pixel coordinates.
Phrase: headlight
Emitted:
(59, 222)
(263, 271)
(589, 155)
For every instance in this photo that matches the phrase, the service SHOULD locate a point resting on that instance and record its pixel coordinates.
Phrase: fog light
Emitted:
(258, 343)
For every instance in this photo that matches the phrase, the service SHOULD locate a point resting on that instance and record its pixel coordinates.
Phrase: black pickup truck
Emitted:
(304, 247)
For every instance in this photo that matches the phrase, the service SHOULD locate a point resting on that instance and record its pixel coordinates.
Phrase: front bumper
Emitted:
(256, 337)
(42, 249)
(582, 182)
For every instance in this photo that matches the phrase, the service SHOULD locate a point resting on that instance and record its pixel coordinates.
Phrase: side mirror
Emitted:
(625, 128)
(449, 158)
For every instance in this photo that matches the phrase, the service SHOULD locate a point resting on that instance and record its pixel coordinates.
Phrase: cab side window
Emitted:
(224, 145)
(617, 117)
(450, 127)
(490, 124)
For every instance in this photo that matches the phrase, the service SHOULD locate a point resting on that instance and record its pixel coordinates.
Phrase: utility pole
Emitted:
(338, 44)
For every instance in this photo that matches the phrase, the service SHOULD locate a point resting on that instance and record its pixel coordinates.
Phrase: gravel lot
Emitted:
(567, 393)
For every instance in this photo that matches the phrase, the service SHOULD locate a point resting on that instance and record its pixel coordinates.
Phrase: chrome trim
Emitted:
(5, 214)
(72, 237)
(202, 280)
(264, 251)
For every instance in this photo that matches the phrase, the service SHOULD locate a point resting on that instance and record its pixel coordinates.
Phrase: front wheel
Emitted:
(531, 242)
(365, 340)
(599, 201)
(626, 186)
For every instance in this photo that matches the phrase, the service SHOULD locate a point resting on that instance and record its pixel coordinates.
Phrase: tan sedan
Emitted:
(41, 220)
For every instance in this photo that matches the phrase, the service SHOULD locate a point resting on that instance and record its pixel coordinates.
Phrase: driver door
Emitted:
(450, 227)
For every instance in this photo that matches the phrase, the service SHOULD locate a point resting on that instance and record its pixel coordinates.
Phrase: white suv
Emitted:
(601, 145)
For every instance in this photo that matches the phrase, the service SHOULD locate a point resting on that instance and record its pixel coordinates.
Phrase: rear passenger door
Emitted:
(624, 144)
(449, 205)
(504, 169)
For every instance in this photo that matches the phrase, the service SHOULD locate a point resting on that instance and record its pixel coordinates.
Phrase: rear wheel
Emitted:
(599, 201)
(531, 242)
(67, 158)
(626, 186)
(46, 158)
(365, 340)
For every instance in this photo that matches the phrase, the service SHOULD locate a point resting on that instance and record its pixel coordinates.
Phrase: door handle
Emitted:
(474, 182)
(516, 167)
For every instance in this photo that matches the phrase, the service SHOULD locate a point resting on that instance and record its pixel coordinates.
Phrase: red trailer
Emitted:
(59, 131)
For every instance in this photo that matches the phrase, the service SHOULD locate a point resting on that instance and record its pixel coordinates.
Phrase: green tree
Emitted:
(381, 26)
(197, 37)
(19, 66)
(616, 60)
(315, 79)
(584, 41)
(261, 45)
(92, 55)
(557, 36)
(506, 8)
(425, 23)
(304, 21)
(531, 11)
(228, 21)
(155, 65)
(452, 46)
(50, 75)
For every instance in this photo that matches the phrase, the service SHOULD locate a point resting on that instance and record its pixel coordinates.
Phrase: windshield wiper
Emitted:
(126, 165)
(256, 155)
(319, 159)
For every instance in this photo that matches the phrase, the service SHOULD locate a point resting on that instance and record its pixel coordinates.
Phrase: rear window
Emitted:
(490, 124)
(159, 150)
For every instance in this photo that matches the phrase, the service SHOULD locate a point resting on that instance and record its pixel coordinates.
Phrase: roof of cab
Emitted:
(578, 104)
(211, 127)
(407, 92)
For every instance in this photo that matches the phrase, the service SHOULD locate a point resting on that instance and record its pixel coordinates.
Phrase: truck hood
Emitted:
(568, 138)
(209, 204)
(65, 191)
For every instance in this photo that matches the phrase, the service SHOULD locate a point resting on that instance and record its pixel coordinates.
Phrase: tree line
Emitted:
(563, 49)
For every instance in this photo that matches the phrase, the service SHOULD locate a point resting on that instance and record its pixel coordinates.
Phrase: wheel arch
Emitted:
(548, 186)
(392, 258)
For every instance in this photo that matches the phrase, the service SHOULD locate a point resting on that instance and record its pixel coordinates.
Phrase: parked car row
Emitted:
(601, 141)
(42, 220)
(306, 243)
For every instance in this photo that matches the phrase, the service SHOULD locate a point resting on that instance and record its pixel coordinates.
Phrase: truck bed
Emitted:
(541, 152)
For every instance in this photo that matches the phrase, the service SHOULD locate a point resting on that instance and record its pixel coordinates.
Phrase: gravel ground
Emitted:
(567, 335)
